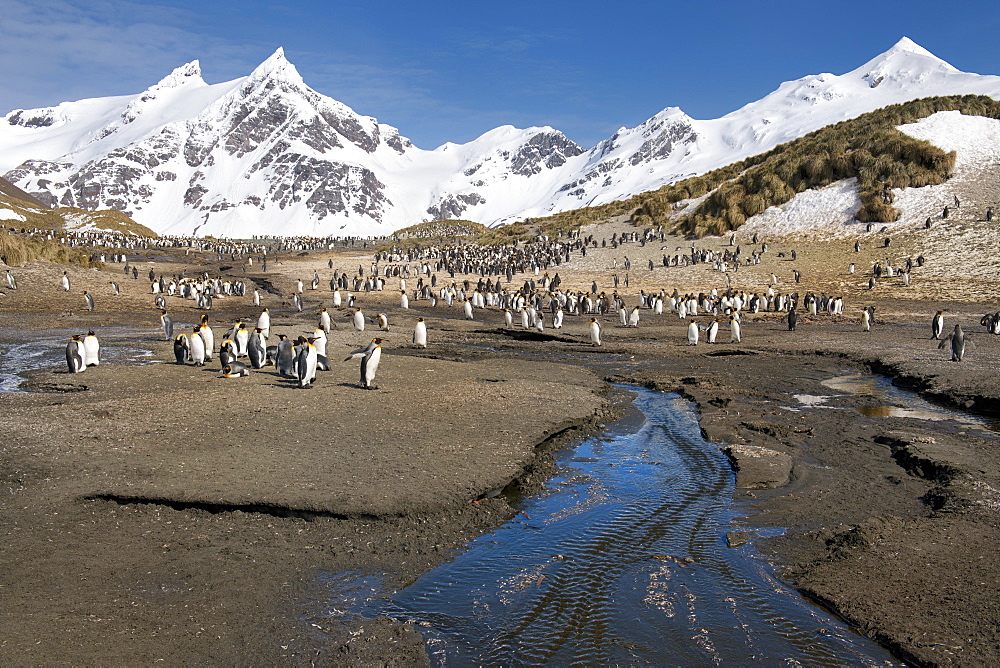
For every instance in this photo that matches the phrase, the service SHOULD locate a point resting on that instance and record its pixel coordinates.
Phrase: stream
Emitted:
(623, 560)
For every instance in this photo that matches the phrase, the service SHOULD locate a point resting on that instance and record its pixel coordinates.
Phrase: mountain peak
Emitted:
(905, 55)
(908, 45)
(181, 75)
(277, 66)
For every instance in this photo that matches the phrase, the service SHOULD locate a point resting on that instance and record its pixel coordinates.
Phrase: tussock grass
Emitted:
(868, 148)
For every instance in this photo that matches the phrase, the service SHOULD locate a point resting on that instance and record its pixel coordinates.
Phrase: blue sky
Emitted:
(449, 71)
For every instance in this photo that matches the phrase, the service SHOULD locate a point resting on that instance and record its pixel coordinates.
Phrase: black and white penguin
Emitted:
(256, 349)
(74, 355)
(168, 325)
(264, 322)
(227, 352)
(235, 370)
(208, 336)
(242, 339)
(793, 320)
(182, 349)
(91, 349)
(958, 343)
(305, 361)
(197, 347)
(285, 359)
(937, 325)
(370, 357)
(89, 300)
(595, 332)
(11, 281)
(420, 333)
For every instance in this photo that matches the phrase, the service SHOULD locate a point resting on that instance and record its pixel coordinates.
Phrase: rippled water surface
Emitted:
(22, 351)
(622, 560)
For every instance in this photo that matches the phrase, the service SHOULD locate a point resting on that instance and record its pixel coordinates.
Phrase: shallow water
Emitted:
(622, 560)
(892, 401)
(22, 351)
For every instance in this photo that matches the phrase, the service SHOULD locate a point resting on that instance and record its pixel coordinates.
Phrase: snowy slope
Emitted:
(267, 155)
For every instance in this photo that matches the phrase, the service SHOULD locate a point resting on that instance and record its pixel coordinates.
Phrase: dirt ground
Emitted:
(162, 512)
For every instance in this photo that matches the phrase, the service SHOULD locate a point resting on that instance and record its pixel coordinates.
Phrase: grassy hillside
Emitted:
(18, 249)
(868, 147)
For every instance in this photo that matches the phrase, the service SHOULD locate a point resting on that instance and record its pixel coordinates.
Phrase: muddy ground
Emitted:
(161, 512)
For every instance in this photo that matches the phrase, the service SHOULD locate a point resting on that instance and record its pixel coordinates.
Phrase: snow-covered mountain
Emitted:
(267, 155)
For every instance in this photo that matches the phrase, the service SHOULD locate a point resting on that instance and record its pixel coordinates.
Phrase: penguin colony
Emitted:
(541, 301)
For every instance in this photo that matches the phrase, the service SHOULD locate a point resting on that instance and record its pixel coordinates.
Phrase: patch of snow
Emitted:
(7, 214)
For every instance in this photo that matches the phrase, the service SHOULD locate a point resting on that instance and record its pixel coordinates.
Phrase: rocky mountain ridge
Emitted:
(268, 155)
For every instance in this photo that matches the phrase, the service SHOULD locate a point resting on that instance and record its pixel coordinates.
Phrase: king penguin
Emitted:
(735, 330)
(370, 357)
(91, 349)
(959, 344)
(324, 320)
(241, 339)
(74, 355)
(359, 320)
(197, 347)
(208, 336)
(89, 299)
(182, 349)
(264, 322)
(420, 334)
(937, 325)
(595, 332)
(305, 362)
(256, 349)
(285, 360)
(168, 325)
(692, 333)
(235, 370)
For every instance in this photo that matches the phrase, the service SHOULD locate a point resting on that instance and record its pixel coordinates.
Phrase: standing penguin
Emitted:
(595, 332)
(633, 317)
(297, 302)
(420, 333)
(89, 299)
(242, 339)
(370, 357)
(359, 320)
(168, 325)
(197, 347)
(324, 321)
(383, 322)
(257, 349)
(305, 361)
(64, 282)
(713, 330)
(467, 307)
(227, 352)
(866, 320)
(959, 344)
(285, 360)
(182, 349)
(508, 318)
(91, 349)
(404, 301)
(208, 336)
(735, 331)
(115, 288)
(11, 281)
(74, 355)
(692, 333)
(793, 319)
(937, 325)
(264, 322)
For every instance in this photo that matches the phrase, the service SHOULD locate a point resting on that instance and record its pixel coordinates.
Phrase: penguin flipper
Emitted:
(946, 341)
